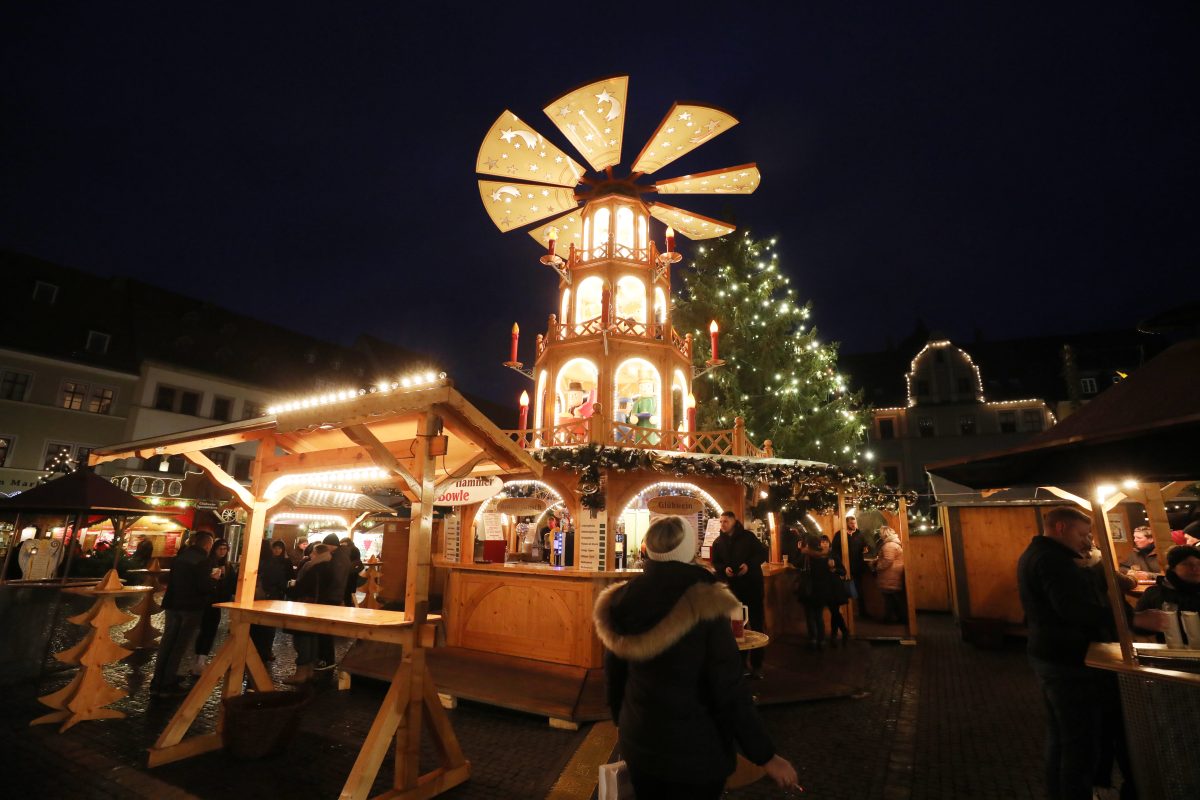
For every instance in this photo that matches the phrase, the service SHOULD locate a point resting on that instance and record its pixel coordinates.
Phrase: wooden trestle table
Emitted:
(410, 701)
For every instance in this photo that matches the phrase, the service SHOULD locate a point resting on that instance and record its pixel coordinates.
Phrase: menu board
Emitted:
(592, 535)
(711, 532)
(452, 535)
(493, 530)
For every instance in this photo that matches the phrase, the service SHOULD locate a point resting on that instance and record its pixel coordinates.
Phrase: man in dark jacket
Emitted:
(189, 591)
(1064, 616)
(737, 556)
(333, 593)
(859, 547)
(674, 676)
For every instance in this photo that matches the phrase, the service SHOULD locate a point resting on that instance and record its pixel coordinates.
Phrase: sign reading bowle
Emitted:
(466, 491)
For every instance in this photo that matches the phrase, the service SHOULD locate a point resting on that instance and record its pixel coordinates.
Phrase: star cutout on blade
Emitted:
(564, 111)
(491, 163)
(507, 134)
(685, 116)
(604, 97)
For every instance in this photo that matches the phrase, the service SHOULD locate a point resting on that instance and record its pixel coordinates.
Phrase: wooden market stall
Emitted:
(415, 434)
(1136, 440)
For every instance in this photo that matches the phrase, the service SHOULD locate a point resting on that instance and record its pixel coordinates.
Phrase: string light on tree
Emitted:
(790, 385)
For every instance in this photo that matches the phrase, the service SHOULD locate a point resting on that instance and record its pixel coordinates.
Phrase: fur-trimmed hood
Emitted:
(625, 638)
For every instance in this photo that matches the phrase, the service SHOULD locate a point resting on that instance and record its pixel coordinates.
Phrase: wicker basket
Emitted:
(261, 724)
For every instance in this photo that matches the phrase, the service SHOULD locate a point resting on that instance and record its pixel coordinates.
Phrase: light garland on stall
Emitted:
(417, 380)
(685, 487)
(360, 475)
(301, 516)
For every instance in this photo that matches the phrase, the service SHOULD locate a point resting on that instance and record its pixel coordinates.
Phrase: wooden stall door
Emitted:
(926, 573)
(992, 540)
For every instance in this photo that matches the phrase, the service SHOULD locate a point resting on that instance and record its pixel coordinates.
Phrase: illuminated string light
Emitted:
(418, 380)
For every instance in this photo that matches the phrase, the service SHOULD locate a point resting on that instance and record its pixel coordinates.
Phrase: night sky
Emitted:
(313, 163)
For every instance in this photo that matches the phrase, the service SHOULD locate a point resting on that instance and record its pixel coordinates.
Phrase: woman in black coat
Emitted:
(674, 675)
(226, 578)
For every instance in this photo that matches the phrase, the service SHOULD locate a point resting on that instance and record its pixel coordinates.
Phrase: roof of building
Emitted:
(146, 322)
(1012, 369)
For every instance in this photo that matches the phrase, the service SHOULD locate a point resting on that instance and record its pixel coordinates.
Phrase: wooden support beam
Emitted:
(909, 596)
(357, 456)
(227, 481)
(382, 458)
(460, 471)
(1102, 535)
(1160, 526)
(851, 623)
(180, 448)
(420, 530)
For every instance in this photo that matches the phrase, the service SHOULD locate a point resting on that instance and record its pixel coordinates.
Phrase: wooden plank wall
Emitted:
(992, 539)
(926, 574)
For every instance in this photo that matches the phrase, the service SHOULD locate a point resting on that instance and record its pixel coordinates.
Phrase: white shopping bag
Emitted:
(615, 783)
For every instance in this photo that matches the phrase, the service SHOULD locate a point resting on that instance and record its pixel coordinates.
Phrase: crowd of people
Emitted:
(202, 576)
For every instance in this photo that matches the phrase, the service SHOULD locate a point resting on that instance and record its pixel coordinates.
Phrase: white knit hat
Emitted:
(685, 551)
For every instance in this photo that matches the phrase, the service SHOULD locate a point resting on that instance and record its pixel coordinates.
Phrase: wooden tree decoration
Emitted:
(144, 636)
(372, 585)
(86, 696)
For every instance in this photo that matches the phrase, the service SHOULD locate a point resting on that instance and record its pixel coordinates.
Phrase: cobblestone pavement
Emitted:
(941, 720)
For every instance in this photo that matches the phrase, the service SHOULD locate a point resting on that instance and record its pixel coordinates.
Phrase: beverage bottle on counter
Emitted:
(1173, 633)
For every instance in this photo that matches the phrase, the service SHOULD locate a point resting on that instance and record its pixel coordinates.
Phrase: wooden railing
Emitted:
(730, 442)
(619, 326)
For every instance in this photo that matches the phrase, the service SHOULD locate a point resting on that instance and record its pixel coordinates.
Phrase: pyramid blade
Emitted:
(693, 226)
(514, 205)
(513, 150)
(685, 127)
(730, 180)
(592, 118)
(570, 229)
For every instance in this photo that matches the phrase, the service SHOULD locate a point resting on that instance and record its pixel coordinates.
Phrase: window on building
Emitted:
(164, 398)
(81, 455)
(964, 385)
(6, 445)
(44, 292)
(891, 475)
(1087, 385)
(887, 428)
(100, 400)
(241, 467)
(55, 451)
(922, 388)
(222, 409)
(1032, 419)
(74, 395)
(219, 457)
(925, 427)
(966, 425)
(253, 410)
(189, 403)
(13, 385)
(97, 342)
(1008, 422)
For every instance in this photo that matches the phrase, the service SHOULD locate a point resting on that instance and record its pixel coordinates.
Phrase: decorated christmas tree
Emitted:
(778, 374)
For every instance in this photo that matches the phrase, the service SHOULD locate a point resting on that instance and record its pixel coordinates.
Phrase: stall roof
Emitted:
(81, 490)
(1146, 427)
(355, 431)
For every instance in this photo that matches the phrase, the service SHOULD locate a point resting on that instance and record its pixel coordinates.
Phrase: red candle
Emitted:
(524, 410)
(551, 238)
(712, 335)
(605, 307)
(670, 239)
(516, 331)
(691, 413)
